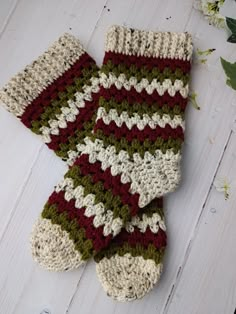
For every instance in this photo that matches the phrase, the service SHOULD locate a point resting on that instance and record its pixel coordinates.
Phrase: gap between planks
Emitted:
(100, 16)
(76, 288)
(24, 184)
(12, 10)
(197, 225)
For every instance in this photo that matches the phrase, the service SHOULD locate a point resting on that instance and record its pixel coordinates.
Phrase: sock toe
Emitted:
(126, 278)
(52, 248)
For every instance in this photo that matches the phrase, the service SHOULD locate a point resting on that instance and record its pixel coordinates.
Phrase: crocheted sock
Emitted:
(132, 264)
(56, 96)
(140, 128)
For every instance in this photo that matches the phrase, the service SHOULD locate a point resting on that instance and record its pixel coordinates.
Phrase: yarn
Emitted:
(131, 157)
(139, 133)
(121, 129)
(56, 95)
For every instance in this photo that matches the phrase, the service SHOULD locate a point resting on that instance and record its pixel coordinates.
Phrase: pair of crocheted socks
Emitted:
(133, 151)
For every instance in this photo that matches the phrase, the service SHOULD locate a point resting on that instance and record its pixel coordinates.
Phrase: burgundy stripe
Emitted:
(51, 92)
(109, 182)
(149, 62)
(85, 114)
(141, 135)
(94, 234)
(159, 239)
(134, 97)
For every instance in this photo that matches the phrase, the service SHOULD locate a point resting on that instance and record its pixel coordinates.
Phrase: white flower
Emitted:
(223, 185)
(211, 11)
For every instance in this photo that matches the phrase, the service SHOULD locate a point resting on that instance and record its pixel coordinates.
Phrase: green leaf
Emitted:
(231, 23)
(230, 71)
(232, 38)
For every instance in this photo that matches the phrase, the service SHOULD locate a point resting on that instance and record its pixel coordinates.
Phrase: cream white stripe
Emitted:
(154, 222)
(25, 86)
(121, 81)
(72, 155)
(69, 114)
(149, 44)
(151, 176)
(140, 121)
(102, 216)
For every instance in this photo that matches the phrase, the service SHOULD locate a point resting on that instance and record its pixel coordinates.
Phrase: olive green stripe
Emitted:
(143, 72)
(76, 234)
(110, 201)
(55, 106)
(140, 108)
(147, 253)
(151, 209)
(137, 147)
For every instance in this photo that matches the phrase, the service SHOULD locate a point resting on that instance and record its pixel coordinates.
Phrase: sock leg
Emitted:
(140, 120)
(56, 96)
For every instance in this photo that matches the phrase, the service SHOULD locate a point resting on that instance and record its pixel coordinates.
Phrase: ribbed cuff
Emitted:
(24, 87)
(149, 44)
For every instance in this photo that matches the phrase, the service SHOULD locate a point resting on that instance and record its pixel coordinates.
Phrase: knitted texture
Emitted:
(56, 96)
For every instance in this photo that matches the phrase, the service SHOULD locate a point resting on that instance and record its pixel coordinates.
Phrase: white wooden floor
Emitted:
(200, 273)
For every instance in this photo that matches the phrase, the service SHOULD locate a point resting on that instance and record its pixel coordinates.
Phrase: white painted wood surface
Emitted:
(200, 274)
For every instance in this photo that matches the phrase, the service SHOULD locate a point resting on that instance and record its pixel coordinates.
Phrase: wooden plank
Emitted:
(36, 24)
(207, 133)
(28, 169)
(208, 281)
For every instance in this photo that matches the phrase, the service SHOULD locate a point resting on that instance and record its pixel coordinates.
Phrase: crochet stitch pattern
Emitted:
(56, 96)
(145, 70)
(131, 157)
(139, 131)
